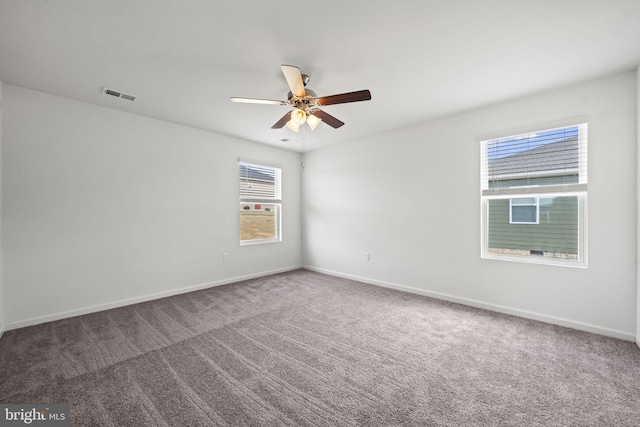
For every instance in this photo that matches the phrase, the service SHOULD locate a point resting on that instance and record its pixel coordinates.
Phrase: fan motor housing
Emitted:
(305, 102)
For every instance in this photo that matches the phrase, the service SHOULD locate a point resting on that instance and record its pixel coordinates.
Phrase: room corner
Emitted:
(638, 210)
(1, 270)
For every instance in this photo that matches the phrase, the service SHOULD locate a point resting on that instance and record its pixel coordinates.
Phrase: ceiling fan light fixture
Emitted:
(298, 116)
(293, 126)
(313, 121)
(304, 102)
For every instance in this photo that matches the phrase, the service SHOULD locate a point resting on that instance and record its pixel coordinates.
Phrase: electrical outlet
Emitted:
(225, 256)
(367, 256)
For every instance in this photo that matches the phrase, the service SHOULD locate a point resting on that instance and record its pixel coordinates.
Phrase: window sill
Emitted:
(536, 260)
(258, 242)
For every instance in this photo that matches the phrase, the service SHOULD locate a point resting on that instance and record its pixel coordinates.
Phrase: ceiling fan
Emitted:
(305, 102)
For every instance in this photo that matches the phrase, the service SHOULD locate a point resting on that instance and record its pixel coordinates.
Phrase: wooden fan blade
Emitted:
(327, 118)
(258, 101)
(360, 95)
(294, 80)
(283, 121)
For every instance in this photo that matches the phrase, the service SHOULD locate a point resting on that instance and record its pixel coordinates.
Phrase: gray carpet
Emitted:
(302, 348)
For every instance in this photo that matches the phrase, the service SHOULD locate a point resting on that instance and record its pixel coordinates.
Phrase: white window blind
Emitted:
(553, 160)
(259, 183)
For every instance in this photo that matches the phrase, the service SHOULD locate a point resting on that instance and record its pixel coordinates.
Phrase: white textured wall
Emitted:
(104, 207)
(411, 198)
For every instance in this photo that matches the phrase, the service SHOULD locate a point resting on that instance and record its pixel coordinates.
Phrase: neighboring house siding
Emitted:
(556, 231)
(255, 183)
(257, 187)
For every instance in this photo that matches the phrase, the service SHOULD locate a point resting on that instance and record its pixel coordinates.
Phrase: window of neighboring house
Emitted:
(523, 211)
(260, 203)
(534, 196)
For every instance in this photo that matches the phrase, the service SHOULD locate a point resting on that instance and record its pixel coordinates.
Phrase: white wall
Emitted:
(411, 198)
(103, 208)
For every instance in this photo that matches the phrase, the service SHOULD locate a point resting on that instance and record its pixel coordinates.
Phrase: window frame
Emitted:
(275, 200)
(578, 189)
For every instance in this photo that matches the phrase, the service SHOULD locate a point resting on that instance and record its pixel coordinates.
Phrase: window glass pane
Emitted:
(555, 236)
(534, 195)
(259, 181)
(260, 192)
(538, 158)
(258, 221)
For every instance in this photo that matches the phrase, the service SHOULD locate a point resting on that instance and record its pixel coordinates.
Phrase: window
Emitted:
(523, 211)
(260, 203)
(534, 196)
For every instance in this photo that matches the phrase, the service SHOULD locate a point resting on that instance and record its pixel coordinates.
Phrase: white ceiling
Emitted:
(420, 59)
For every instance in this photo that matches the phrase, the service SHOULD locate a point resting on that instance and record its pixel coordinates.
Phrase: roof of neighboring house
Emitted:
(561, 156)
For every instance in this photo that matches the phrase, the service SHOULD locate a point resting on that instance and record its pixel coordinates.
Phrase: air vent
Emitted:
(128, 97)
(117, 94)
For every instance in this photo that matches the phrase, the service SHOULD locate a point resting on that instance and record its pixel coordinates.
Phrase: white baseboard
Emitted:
(1, 329)
(638, 340)
(488, 306)
(136, 300)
